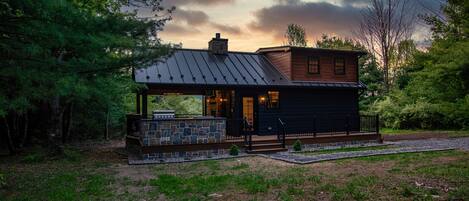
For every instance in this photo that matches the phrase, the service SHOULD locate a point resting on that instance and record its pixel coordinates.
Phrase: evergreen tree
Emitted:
(60, 56)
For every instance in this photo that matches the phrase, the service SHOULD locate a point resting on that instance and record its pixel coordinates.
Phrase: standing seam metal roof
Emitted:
(200, 67)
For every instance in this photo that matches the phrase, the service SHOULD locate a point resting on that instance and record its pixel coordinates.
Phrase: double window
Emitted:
(339, 66)
(273, 99)
(313, 65)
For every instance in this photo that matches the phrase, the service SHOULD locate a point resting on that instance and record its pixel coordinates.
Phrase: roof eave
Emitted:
(290, 48)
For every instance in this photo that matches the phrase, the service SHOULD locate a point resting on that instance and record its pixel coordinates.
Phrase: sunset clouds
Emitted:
(250, 24)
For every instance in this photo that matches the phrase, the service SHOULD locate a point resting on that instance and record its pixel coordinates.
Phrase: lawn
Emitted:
(104, 175)
(449, 133)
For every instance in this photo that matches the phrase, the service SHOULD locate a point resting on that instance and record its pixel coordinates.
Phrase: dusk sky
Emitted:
(251, 24)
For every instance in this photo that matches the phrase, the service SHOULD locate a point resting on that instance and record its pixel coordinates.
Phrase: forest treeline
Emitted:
(428, 87)
(66, 70)
(66, 67)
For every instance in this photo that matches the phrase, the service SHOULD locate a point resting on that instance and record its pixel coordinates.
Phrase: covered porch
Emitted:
(235, 107)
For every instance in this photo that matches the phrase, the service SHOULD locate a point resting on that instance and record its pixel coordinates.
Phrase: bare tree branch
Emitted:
(384, 24)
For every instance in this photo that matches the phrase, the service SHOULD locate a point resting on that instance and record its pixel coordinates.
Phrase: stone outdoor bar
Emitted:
(178, 131)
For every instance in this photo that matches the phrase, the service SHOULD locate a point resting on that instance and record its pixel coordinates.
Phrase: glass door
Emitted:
(248, 112)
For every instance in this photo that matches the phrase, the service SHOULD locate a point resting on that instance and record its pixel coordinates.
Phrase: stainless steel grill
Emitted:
(163, 114)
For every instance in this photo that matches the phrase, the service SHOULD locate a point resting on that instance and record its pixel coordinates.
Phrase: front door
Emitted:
(249, 112)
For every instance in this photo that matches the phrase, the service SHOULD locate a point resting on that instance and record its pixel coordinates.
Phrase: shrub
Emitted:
(421, 114)
(234, 150)
(33, 158)
(400, 110)
(72, 155)
(388, 112)
(297, 145)
(3, 181)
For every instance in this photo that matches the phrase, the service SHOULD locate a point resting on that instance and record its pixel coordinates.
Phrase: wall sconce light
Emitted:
(262, 99)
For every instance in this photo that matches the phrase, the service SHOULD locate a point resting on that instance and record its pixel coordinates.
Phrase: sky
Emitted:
(252, 24)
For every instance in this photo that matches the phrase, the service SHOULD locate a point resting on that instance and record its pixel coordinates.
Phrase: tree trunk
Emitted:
(55, 131)
(25, 130)
(386, 72)
(67, 122)
(106, 129)
(10, 145)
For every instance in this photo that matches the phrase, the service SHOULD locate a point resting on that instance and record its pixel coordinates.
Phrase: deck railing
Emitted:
(331, 125)
(235, 129)
(239, 129)
(281, 132)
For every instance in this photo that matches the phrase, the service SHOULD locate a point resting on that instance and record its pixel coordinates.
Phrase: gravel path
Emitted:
(400, 147)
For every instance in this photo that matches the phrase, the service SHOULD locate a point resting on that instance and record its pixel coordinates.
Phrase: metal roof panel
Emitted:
(200, 67)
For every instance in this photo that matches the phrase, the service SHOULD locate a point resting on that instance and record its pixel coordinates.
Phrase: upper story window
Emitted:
(313, 65)
(339, 66)
(273, 99)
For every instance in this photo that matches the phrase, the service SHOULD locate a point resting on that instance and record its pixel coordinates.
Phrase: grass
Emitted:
(345, 149)
(82, 176)
(199, 187)
(450, 133)
(392, 131)
(71, 186)
(411, 157)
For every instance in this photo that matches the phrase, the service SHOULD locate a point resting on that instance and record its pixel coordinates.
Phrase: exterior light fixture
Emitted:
(262, 99)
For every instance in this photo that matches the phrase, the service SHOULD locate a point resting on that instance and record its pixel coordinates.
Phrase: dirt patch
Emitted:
(135, 173)
(444, 160)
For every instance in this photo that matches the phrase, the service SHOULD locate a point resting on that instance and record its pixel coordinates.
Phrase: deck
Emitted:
(289, 140)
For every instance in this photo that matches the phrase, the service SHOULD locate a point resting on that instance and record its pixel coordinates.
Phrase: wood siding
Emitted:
(299, 67)
(281, 60)
(294, 64)
(298, 108)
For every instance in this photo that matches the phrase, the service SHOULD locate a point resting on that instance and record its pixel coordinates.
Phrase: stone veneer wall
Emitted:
(182, 131)
(185, 155)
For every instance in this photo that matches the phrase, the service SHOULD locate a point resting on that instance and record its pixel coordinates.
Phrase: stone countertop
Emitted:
(189, 118)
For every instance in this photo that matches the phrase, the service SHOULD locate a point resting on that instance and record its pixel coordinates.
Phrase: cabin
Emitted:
(260, 101)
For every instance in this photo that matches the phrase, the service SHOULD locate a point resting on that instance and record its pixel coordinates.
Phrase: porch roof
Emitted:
(193, 67)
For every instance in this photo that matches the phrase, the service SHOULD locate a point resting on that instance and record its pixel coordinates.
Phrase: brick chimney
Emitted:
(218, 45)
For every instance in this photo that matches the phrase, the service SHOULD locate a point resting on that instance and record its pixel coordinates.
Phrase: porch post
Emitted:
(377, 124)
(138, 102)
(204, 105)
(144, 105)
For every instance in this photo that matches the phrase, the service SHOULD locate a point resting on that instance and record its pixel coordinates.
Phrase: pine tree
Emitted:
(57, 55)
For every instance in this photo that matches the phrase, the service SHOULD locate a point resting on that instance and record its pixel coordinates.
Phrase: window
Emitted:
(339, 66)
(273, 97)
(313, 65)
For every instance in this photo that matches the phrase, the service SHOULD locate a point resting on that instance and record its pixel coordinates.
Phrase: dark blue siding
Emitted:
(299, 108)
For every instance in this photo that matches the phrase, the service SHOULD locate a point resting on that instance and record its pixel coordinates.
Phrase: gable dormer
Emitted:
(314, 64)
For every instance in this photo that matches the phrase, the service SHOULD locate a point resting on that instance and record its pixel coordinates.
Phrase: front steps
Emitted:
(265, 147)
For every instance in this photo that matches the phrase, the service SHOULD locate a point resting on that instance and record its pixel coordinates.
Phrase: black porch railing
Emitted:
(240, 130)
(281, 132)
(330, 125)
(236, 129)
